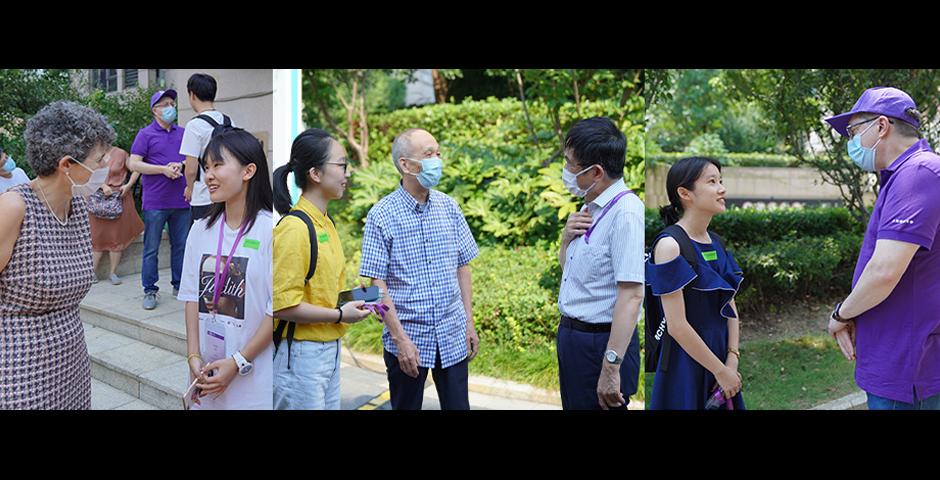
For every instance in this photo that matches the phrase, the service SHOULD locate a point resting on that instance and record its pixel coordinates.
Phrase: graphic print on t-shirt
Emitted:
(232, 299)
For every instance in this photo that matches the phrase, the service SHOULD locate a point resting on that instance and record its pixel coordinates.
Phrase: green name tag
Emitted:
(324, 237)
(251, 243)
(710, 256)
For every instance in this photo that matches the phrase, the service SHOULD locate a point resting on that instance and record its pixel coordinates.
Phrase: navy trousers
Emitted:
(407, 393)
(580, 359)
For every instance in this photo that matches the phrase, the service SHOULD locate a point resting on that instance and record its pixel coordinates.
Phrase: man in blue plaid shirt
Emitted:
(417, 246)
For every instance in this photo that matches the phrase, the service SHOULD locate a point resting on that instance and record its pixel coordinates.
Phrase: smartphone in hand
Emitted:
(369, 295)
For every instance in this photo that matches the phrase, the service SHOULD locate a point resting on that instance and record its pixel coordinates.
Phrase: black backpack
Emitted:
(226, 122)
(291, 326)
(657, 339)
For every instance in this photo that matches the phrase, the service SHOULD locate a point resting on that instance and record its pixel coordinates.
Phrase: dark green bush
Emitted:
(512, 301)
(515, 291)
(732, 159)
(741, 227)
(785, 254)
(777, 273)
(499, 175)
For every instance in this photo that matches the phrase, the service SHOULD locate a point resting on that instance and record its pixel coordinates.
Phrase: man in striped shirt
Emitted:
(601, 257)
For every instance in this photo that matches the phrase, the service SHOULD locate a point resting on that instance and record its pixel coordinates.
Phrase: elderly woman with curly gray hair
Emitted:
(46, 260)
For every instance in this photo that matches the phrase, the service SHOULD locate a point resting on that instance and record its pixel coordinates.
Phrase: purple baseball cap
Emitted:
(886, 101)
(160, 94)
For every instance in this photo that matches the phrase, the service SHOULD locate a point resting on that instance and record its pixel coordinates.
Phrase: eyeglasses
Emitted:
(164, 105)
(850, 129)
(337, 163)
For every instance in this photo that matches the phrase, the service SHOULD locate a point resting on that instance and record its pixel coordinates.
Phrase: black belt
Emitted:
(576, 324)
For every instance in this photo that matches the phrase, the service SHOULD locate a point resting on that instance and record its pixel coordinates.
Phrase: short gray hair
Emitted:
(64, 129)
(903, 128)
(401, 147)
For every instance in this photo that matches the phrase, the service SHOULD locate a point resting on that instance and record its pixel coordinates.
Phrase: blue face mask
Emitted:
(169, 114)
(9, 165)
(863, 157)
(432, 169)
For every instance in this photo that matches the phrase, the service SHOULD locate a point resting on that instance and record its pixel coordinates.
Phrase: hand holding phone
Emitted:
(369, 295)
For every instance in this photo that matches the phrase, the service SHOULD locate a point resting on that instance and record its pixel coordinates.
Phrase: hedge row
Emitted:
(777, 273)
(786, 254)
(731, 159)
(747, 226)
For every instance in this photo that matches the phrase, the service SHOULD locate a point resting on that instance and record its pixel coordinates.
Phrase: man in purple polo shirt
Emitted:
(890, 323)
(155, 154)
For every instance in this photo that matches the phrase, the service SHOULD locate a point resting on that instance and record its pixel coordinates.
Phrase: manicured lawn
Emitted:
(795, 374)
(536, 366)
(792, 374)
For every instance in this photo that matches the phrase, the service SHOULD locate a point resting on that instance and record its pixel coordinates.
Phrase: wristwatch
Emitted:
(612, 357)
(244, 366)
(837, 317)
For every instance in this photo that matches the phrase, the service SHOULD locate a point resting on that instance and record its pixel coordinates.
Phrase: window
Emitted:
(105, 79)
(130, 78)
(160, 78)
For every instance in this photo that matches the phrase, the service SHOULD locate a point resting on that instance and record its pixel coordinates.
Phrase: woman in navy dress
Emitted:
(697, 300)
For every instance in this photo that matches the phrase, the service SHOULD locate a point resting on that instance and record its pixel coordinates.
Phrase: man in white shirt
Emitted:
(202, 89)
(601, 257)
(10, 174)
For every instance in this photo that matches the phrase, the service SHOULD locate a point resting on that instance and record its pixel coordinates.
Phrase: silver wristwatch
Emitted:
(611, 357)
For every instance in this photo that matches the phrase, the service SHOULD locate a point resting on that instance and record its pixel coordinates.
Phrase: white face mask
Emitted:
(97, 178)
(571, 182)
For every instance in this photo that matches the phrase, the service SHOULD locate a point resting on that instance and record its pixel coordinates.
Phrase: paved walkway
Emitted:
(116, 326)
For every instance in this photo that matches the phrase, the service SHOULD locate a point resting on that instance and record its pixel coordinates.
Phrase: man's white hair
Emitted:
(401, 147)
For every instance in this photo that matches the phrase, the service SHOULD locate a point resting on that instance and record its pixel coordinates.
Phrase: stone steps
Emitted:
(150, 374)
(135, 352)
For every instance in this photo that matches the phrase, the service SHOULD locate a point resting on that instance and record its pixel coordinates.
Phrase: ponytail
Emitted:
(669, 214)
(282, 200)
(310, 149)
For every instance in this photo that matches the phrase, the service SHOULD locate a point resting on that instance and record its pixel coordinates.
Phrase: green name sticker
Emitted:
(324, 237)
(710, 256)
(252, 243)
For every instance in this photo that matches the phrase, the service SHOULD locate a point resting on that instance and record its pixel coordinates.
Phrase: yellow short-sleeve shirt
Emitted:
(292, 261)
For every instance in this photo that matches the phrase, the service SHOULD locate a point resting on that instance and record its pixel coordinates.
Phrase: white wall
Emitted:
(246, 95)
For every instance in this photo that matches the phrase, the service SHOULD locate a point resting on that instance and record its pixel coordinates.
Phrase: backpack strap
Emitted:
(687, 251)
(207, 119)
(226, 122)
(291, 326)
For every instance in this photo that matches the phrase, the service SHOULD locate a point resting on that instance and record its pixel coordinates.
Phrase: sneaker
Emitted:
(150, 300)
(94, 279)
(115, 280)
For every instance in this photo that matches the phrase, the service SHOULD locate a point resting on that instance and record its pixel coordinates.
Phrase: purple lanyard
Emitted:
(587, 235)
(220, 277)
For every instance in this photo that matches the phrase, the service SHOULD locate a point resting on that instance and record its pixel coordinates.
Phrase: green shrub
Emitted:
(785, 254)
(706, 144)
(779, 272)
(515, 292)
(742, 227)
(506, 182)
(730, 159)
(515, 295)
(127, 112)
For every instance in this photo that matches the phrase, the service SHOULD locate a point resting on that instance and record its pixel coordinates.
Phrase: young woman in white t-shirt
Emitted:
(228, 334)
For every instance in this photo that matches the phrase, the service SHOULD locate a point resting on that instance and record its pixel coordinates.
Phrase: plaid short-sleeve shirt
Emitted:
(416, 249)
